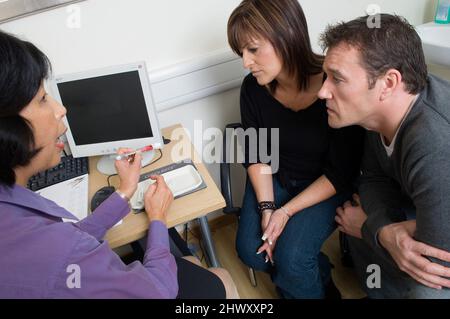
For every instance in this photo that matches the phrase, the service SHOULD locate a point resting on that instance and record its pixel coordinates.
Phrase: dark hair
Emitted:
(23, 67)
(283, 23)
(393, 45)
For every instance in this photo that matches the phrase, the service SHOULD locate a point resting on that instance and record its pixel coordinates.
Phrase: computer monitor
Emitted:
(107, 109)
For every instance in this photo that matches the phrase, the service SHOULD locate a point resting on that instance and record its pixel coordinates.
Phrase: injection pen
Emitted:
(127, 155)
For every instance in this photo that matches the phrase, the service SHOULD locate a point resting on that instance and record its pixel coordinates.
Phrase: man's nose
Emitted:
(324, 92)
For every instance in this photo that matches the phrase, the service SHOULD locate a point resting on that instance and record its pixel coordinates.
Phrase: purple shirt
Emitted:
(43, 257)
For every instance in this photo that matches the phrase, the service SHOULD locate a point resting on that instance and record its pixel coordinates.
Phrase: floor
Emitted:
(224, 237)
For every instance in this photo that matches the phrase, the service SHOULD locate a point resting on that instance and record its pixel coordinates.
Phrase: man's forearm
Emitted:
(382, 204)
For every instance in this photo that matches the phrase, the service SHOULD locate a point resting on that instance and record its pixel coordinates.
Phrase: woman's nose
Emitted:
(247, 60)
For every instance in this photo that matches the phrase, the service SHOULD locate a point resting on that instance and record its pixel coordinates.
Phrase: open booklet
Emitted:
(72, 195)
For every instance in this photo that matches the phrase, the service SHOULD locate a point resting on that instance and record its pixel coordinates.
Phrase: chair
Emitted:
(225, 184)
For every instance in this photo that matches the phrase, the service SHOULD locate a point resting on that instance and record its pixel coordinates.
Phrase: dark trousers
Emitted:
(395, 284)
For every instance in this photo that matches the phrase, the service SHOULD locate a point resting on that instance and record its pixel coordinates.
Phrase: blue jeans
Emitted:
(300, 270)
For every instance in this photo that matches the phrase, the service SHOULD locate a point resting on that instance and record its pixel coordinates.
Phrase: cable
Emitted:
(199, 245)
(201, 248)
(109, 184)
(186, 232)
(153, 162)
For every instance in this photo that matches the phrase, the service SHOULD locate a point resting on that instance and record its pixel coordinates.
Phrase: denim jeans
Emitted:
(300, 270)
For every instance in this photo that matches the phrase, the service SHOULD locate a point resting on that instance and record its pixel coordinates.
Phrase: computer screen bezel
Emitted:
(105, 148)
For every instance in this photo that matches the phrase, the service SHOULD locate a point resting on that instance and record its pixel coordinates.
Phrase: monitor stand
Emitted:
(106, 166)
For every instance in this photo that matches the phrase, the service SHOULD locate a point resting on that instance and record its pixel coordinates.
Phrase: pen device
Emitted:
(127, 155)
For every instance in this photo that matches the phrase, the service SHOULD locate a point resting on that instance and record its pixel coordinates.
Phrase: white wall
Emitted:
(443, 72)
(170, 31)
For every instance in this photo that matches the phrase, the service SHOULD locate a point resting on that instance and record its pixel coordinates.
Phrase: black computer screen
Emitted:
(106, 108)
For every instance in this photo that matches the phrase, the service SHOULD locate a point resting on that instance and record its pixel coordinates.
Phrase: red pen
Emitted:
(127, 155)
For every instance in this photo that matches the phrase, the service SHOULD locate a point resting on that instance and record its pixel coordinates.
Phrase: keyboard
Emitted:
(68, 168)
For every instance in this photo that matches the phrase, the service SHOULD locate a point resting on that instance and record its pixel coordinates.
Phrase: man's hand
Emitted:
(158, 199)
(410, 255)
(351, 218)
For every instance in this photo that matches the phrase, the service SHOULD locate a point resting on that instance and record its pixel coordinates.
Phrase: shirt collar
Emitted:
(24, 197)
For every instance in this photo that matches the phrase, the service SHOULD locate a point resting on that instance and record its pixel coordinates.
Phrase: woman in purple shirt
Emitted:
(43, 257)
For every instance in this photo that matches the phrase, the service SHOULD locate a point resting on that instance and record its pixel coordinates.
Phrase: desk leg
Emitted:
(208, 241)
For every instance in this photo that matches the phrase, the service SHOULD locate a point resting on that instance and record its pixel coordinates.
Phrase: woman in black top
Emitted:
(288, 211)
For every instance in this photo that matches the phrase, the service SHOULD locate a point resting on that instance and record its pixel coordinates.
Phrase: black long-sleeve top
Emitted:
(308, 147)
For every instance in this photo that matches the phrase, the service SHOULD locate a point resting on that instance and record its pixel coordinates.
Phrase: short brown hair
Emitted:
(283, 23)
(393, 45)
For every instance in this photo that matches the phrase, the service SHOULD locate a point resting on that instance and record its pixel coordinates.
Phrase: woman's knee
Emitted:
(291, 264)
(247, 253)
(299, 278)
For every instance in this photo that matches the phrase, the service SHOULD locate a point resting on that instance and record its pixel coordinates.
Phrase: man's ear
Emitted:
(390, 82)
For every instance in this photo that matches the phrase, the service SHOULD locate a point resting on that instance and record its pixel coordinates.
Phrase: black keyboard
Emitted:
(68, 168)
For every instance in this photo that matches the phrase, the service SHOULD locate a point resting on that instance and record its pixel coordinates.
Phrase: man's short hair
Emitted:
(395, 44)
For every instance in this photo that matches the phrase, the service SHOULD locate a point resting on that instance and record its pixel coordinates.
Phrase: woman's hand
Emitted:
(277, 222)
(158, 199)
(269, 249)
(265, 218)
(129, 171)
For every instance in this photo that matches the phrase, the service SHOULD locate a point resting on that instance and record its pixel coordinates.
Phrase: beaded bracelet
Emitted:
(262, 206)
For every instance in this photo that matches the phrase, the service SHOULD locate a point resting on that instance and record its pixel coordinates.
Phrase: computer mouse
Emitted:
(99, 197)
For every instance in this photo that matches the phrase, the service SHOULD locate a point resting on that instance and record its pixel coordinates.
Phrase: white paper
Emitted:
(71, 195)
